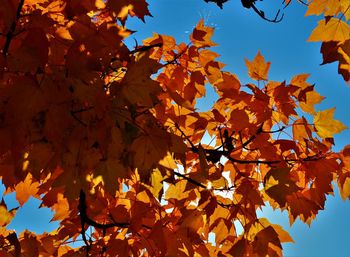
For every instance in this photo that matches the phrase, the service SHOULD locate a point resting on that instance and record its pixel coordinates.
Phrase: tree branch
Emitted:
(274, 131)
(86, 220)
(11, 32)
(190, 180)
(145, 48)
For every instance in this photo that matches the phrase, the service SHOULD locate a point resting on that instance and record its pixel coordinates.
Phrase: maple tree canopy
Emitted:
(110, 138)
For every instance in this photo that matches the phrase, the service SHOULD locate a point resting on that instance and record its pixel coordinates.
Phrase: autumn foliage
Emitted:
(111, 140)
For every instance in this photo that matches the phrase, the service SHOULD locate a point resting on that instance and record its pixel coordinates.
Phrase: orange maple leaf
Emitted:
(26, 189)
(258, 68)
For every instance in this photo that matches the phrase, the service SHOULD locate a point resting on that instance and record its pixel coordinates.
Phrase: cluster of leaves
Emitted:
(110, 139)
(334, 32)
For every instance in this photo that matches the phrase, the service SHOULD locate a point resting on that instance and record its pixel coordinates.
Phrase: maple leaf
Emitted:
(301, 130)
(328, 7)
(142, 90)
(301, 206)
(228, 86)
(201, 35)
(32, 54)
(337, 51)
(6, 215)
(344, 173)
(332, 30)
(278, 185)
(258, 68)
(345, 189)
(156, 183)
(61, 208)
(26, 189)
(110, 170)
(311, 98)
(325, 125)
(176, 191)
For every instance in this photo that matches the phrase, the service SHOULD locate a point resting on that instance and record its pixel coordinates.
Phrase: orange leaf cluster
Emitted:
(111, 140)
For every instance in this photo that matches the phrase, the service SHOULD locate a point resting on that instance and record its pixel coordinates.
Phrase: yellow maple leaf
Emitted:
(325, 125)
(345, 189)
(168, 162)
(177, 191)
(6, 216)
(258, 68)
(143, 197)
(326, 7)
(283, 235)
(331, 30)
(156, 182)
(344, 8)
(312, 98)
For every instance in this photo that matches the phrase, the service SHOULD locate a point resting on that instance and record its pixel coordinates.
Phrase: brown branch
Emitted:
(83, 216)
(175, 58)
(190, 180)
(145, 48)
(228, 140)
(225, 205)
(77, 119)
(194, 182)
(75, 112)
(83, 110)
(213, 155)
(251, 4)
(11, 32)
(193, 147)
(274, 131)
(252, 137)
(252, 161)
(203, 186)
(82, 208)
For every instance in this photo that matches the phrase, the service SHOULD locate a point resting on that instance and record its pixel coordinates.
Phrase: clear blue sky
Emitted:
(240, 33)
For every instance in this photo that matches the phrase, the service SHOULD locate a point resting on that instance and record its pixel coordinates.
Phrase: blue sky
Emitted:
(240, 34)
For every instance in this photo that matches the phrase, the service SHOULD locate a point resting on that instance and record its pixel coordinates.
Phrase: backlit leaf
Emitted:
(26, 189)
(258, 68)
(176, 191)
(6, 216)
(331, 30)
(325, 125)
(201, 35)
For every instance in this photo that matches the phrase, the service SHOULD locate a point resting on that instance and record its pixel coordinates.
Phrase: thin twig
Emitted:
(190, 180)
(10, 33)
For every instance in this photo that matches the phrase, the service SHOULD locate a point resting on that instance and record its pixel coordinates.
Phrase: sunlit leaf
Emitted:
(331, 30)
(325, 125)
(26, 189)
(258, 68)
